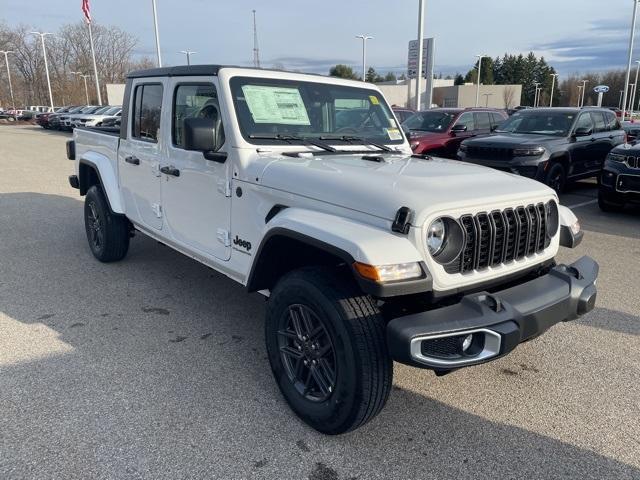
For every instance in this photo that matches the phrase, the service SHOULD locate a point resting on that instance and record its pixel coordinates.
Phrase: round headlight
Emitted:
(436, 236)
(445, 240)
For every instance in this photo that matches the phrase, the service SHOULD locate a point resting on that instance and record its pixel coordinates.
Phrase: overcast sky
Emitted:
(574, 35)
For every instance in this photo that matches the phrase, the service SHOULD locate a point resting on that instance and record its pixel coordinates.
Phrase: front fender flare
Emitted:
(351, 241)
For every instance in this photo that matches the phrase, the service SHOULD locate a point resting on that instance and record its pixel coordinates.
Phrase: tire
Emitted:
(350, 342)
(607, 205)
(556, 178)
(107, 233)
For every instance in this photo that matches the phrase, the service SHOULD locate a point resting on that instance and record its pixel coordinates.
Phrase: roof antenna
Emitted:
(256, 50)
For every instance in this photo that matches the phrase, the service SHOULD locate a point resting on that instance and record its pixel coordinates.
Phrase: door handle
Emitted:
(170, 170)
(132, 160)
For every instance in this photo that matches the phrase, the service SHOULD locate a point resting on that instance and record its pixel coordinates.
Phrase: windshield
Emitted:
(539, 123)
(430, 121)
(89, 109)
(102, 110)
(273, 110)
(112, 110)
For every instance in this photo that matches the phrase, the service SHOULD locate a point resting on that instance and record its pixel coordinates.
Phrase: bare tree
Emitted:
(508, 96)
(67, 51)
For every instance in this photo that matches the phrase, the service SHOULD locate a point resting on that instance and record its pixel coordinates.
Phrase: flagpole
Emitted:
(155, 26)
(95, 68)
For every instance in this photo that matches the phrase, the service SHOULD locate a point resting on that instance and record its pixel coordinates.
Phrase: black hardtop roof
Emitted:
(188, 70)
(179, 71)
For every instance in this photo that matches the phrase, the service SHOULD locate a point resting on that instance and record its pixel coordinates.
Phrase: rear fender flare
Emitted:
(108, 179)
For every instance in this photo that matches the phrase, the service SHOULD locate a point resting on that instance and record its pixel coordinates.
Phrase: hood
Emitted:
(381, 188)
(512, 140)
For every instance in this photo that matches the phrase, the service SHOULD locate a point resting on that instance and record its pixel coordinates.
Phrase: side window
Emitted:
(496, 119)
(147, 109)
(482, 121)
(598, 121)
(612, 122)
(466, 119)
(192, 101)
(584, 121)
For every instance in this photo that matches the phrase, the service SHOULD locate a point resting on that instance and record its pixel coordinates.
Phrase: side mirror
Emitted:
(582, 132)
(458, 128)
(204, 135)
(494, 127)
(407, 133)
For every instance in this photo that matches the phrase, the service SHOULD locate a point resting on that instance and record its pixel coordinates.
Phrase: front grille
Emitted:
(501, 236)
(489, 153)
(632, 162)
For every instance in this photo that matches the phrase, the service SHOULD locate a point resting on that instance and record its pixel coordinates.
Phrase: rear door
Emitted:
(601, 144)
(140, 153)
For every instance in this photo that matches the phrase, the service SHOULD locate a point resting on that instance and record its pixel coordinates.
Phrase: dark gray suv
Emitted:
(552, 145)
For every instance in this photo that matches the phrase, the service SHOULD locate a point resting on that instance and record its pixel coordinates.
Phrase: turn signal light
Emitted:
(389, 273)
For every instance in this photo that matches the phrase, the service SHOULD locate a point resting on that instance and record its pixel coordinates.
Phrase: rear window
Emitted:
(612, 122)
(147, 107)
(482, 121)
(598, 122)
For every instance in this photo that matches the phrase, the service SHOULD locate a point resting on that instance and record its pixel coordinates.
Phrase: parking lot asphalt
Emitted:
(155, 367)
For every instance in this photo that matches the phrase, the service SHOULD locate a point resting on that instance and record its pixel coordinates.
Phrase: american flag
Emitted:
(86, 9)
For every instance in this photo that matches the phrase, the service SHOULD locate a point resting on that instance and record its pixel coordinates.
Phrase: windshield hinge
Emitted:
(402, 222)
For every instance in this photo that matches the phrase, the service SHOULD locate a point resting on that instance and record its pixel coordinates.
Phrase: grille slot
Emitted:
(501, 237)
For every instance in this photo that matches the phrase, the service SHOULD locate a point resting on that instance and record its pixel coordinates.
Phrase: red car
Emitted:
(402, 113)
(440, 131)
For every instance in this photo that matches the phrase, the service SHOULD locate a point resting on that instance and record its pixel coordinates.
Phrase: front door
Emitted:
(196, 195)
(581, 148)
(140, 152)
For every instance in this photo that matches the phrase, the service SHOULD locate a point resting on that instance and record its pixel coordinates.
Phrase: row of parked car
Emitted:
(68, 118)
(552, 145)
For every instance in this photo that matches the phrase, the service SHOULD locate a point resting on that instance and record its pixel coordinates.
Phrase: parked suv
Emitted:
(620, 179)
(552, 145)
(440, 131)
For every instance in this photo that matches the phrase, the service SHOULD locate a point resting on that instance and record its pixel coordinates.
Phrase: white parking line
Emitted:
(583, 204)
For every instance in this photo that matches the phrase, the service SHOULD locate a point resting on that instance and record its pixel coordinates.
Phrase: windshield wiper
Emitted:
(294, 138)
(351, 139)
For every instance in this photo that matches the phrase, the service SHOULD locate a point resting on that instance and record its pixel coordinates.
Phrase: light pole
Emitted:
(535, 97)
(84, 77)
(364, 55)
(188, 53)
(630, 58)
(46, 64)
(553, 84)
(584, 89)
(6, 61)
(620, 101)
(420, 53)
(635, 86)
(480, 57)
(155, 26)
(580, 87)
(630, 106)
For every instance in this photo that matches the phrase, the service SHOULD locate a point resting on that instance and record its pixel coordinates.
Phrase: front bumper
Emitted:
(493, 324)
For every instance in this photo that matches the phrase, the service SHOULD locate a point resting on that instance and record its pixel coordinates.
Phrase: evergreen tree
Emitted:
(343, 71)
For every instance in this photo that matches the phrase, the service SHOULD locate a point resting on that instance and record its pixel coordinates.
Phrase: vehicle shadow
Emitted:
(155, 367)
(613, 321)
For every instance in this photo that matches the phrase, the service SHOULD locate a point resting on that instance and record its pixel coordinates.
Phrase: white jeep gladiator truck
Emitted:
(303, 188)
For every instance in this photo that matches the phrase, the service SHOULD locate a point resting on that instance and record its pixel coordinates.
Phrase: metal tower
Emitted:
(256, 50)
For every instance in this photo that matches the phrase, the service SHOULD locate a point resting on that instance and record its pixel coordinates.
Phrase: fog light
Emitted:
(466, 342)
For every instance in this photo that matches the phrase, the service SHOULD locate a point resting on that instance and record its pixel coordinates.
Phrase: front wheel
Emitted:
(557, 178)
(107, 233)
(327, 348)
(606, 204)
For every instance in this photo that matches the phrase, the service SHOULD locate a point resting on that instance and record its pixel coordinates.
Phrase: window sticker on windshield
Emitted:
(374, 100)
(393, 134)
(275, 105)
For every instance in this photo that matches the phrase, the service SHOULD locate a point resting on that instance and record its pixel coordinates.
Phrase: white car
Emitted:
(366, 253)
(95, 118)
(67, 121)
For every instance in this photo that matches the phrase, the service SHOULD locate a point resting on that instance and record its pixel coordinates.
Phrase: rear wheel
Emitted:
(327, 348)
(107, 233)
(557, 178)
